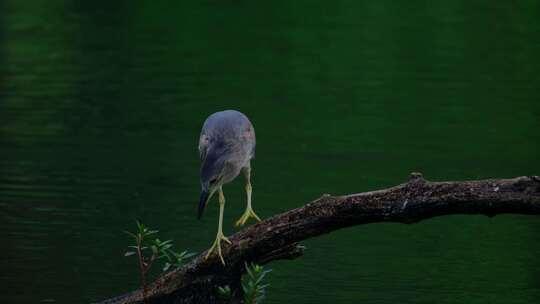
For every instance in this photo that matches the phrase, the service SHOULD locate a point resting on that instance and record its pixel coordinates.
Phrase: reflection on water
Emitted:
(101, 105)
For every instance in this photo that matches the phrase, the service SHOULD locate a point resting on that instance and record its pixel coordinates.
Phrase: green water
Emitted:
(101, 104)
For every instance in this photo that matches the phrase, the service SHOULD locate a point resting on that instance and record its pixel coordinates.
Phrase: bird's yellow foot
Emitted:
(217, 243)
(247, 214)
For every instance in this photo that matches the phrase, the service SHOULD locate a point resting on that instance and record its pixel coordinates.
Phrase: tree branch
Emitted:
(277, 237)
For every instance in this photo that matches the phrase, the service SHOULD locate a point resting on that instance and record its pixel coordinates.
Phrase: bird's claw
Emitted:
(245, 217)
(217, 243)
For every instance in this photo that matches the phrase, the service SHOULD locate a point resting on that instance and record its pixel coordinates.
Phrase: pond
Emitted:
(101, 105)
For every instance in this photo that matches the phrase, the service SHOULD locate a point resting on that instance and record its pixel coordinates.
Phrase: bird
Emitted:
(226, 148)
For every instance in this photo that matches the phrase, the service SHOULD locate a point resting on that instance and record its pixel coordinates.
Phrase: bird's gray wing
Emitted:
(250, 135)
(203, 146)
(253, 151)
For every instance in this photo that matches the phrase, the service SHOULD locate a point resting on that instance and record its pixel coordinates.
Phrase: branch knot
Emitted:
(416, 177)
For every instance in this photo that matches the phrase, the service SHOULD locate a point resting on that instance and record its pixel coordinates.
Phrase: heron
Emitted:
(226, 148)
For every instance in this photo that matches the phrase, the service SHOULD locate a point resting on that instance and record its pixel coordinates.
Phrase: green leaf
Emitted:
(224, 292)
(129, 253)
(131, 234)
(166, 255)
(167, 266)
(165, 247)
(250, 273)
(252, 286)
(140, 226)
(150, 232)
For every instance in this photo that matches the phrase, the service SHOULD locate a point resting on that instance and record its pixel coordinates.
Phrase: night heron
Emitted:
(226, 147)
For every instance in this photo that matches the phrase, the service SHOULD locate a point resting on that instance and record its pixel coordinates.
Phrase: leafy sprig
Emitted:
(252, 283)
(148, 249)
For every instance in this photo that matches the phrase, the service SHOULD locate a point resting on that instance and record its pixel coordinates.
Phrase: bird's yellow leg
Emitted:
(219, 236)
(249, 212)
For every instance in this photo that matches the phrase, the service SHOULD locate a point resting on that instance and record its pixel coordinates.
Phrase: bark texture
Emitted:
(277, 237)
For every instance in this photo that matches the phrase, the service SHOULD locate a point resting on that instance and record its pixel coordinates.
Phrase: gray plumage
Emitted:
(226, 146)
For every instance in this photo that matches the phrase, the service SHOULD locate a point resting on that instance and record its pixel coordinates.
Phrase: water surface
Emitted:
(101, 105)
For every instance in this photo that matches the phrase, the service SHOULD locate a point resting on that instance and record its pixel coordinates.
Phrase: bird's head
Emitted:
(212, 170)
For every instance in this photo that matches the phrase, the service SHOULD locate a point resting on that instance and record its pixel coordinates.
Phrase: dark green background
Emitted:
(101, 103)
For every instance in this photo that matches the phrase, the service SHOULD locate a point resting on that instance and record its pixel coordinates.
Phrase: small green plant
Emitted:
(148, 249)
(252, 283)
(225, 292)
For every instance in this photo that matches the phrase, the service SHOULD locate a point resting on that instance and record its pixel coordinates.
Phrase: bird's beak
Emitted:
(202, 203)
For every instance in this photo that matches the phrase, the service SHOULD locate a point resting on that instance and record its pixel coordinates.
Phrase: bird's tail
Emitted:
(202, 203)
